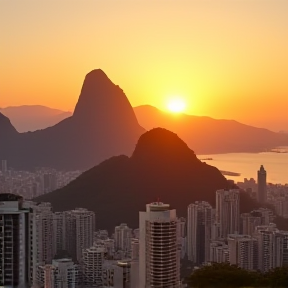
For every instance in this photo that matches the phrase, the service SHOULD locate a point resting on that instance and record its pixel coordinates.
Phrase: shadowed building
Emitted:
(262, 185)
(15, 242)
(199, 224)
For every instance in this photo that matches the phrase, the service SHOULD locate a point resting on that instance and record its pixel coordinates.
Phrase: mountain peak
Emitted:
(160, 144)
(96, 74)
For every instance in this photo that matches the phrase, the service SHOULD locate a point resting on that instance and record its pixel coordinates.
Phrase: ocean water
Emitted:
(247, 164)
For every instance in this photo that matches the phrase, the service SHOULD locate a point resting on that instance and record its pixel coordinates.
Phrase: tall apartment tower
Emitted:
(44, 228)
(4, 166)
(80, 227)
(271, 247)
(123, 236)
(248, 223)
(159, 261)
(243, 251)
(61, 273)
(15, 241)
(59, 232)
(227, 211)
(199, 224)
(262, 185)
(93, 260)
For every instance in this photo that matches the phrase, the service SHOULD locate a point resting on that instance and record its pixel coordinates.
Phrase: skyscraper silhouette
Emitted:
(262, 185)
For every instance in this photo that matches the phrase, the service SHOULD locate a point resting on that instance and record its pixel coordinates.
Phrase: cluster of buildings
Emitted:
(32, 184)
(34, 241)
(276, 194)
(40, 248)
(249, 240)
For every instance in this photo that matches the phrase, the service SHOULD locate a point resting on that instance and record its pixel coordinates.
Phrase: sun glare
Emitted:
(176, 105)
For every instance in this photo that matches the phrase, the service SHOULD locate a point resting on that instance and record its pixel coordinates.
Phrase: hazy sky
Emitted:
(225, 58)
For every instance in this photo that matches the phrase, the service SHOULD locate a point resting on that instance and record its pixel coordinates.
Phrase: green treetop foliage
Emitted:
(225, 275)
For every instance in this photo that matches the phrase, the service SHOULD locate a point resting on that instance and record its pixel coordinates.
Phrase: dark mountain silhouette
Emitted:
(33, 117)
(161, 166)
(210, 136)
(102, 125)
(198, 132)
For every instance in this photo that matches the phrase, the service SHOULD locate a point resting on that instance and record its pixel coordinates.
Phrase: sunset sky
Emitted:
(224, 58)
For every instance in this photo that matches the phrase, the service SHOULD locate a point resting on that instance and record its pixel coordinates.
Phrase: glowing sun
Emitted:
(176, 105)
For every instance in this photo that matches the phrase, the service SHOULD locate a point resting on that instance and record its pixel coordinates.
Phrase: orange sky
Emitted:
(225, 58)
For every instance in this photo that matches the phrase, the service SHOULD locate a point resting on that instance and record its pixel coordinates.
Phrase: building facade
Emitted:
(227, 211)
(199, 225)
(159, 263)
(262, 185)
(16, 242)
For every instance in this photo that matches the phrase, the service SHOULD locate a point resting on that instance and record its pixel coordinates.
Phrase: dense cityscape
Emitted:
(43, 248)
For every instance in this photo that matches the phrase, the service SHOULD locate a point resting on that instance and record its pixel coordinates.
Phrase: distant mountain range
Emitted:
(102, 125)
(161, 167)
(33, 117)
(211, 136)
(206, 135)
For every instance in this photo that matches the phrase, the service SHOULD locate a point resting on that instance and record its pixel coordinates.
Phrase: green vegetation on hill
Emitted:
(225, 275)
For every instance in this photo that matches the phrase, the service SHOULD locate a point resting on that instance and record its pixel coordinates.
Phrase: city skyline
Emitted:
(213, 55)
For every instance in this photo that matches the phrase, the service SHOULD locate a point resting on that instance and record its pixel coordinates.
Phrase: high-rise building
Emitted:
(59, 231)
(270, 247)
(4, 166)
(262, 185)
(159, 261)
(93, 260)
(49, 182)
(181, 235)
(122, 275)
(219, 252)
(199, 224)
(248, 223)
(16, 242)
(62, 273)
(123, 236)
(135, 249)
(44, 228)
(285, 247)
(227, 211)
(80, 227)
(243, 251)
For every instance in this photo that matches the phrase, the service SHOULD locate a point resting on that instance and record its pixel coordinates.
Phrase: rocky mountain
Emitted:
(103, 125)
(161, 167)
(33, 117)
(211, 136)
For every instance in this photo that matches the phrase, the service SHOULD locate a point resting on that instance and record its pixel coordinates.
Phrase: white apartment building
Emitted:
(79, 230)
(93, 260)
(59, 232)
(123, 236)
(199, 224)
(243, 251)
(219, 252)
(248, 223)
(227, 211)
(44, 227)
(159, 263)
(62, 273)
(270, 247)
